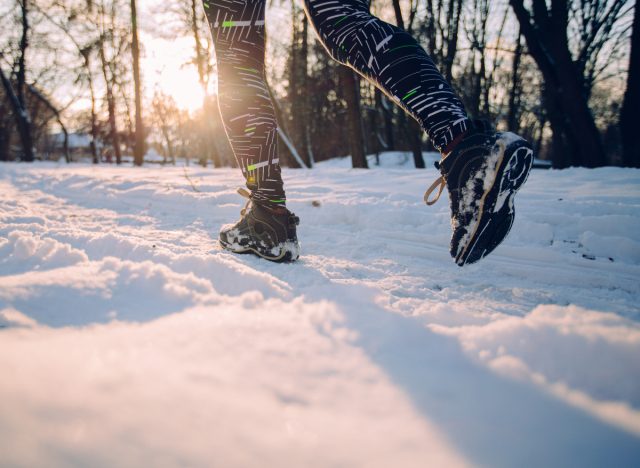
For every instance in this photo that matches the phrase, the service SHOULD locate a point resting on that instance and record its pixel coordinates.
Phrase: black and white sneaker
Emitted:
(269, 232)
(482, 174)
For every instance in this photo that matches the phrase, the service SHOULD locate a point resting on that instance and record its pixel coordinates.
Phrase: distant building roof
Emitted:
(76, 140)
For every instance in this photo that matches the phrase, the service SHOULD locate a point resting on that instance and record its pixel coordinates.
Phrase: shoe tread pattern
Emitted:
(498, 210)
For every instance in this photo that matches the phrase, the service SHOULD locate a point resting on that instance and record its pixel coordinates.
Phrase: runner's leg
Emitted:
(393, 61)
(245, 104)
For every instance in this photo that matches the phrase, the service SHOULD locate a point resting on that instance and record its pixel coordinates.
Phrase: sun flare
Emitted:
(166, 68)
(183, 86)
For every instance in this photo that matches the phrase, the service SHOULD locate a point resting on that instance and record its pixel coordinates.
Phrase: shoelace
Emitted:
(244, 193)
(439, 182)
(477, 125)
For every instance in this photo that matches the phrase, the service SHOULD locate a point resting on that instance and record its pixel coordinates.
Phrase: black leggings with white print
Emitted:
(384, 54)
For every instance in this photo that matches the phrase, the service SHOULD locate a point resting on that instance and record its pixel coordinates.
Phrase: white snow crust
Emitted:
(128, 337)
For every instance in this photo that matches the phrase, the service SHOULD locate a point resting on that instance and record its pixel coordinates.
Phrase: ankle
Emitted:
(276, 208)
(269, 201)
(446, 151)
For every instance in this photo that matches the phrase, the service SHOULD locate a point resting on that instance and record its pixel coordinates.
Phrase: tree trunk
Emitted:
(304, 104)
(56, 112)
(24, 43)
(23, 122)
(200, 60)
(354, 120)
(398, 13)
(413, 130)
(169, 142)
(5, 135)
(94, 119)
(476, 88)
(631, 103)
(513, 122)
(211, 113)
(537, 144)
(576, 137)
(86, 55)
(562, 156)
(497, 59)
(21, 119)
(111, 106)
(298, 83)
(452, 42)
(138, 149)
(430, 28)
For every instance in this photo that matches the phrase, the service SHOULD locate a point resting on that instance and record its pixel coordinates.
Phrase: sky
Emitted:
(164, 69)
(164, 61)
(164, 64)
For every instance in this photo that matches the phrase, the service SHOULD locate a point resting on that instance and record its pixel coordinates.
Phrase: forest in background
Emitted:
(562, 73)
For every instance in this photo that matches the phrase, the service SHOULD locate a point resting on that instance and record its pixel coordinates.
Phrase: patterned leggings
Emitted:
(387, 56)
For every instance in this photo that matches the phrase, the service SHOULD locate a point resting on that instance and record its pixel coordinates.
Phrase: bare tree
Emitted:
(17, 96)
(477, 34)
(165, 115)
(80, 29)
(190, 19)
(412, 129)
(594, 22)
(298, 84)
(58, 115)
(576, 140)
(111, 103)
(515, 91)
(139, 146)
(202, 54)
(112, 46)
(490, 78)
(631, 103)
(441, 28)
(354, 118)
(86, 56)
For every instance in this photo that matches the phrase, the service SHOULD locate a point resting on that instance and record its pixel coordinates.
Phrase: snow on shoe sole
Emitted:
(496, 208)
(288, 252)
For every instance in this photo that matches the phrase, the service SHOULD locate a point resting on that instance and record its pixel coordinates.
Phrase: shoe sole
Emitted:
(285, 257)
(497, 210)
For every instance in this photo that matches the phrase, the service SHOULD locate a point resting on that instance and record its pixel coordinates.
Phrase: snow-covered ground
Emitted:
(129, 338)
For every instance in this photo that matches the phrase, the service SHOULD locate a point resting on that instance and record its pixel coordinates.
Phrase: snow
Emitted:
(129, 338)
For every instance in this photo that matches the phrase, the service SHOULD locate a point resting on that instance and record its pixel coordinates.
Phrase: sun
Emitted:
(184, 87)
(166, 68)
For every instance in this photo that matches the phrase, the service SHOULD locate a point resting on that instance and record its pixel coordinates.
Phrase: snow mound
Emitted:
(25, 251)
(587, 357)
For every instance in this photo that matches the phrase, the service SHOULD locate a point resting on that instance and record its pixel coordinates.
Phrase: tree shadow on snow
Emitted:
(492, 420)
